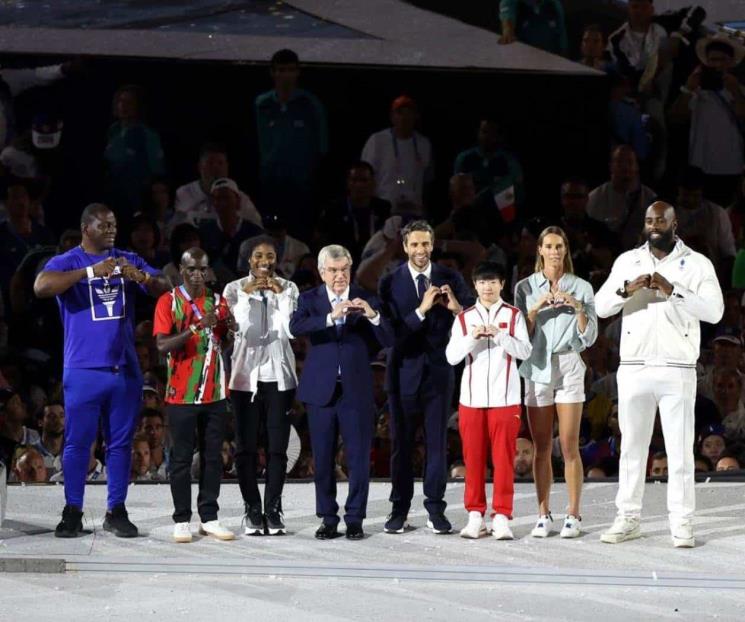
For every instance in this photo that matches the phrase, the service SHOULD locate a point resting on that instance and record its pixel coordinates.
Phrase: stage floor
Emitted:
(414, 576)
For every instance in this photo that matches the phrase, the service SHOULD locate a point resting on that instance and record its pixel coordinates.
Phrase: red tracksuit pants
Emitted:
(485, 430)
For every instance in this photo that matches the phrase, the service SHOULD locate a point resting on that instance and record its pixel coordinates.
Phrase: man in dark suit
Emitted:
(358, 215)
(343, 323)
(420, 299)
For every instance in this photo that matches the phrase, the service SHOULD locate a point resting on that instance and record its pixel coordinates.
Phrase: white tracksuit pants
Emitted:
(641, 391)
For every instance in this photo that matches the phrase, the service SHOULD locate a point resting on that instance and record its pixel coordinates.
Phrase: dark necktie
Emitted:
(421, 285)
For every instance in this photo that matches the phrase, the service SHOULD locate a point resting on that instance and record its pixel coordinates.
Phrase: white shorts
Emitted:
(567, 384)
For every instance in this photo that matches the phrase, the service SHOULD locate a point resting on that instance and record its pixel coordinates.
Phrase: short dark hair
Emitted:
(660, 455)
(258, 240)
(212, 147)
(360, 164)
(151, 412)
(489, 270)
(720, 46)
(284, 57)
(141, 218)
(417, 225)
(92, 211)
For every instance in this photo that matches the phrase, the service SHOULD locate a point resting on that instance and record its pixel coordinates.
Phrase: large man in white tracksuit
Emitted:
(665, 290)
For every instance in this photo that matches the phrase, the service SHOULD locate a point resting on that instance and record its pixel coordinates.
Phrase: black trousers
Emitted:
(208, 421)
(269, 406)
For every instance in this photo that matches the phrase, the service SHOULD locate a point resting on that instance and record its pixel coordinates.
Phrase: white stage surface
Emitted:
(414, 576)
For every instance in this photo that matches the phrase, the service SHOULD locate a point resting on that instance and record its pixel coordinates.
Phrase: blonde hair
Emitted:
(568, 264)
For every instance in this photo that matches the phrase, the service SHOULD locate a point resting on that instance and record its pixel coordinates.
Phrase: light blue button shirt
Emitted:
(556, 330)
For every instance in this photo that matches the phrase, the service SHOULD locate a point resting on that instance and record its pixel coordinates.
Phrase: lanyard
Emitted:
(395, 145)
(194, 307)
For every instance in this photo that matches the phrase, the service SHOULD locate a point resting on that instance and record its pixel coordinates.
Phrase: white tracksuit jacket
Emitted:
(490, 378)
(657, 330)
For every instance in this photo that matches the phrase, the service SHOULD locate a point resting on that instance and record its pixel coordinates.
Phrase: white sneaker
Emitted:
(572, 527)
(475, 528)
(181, 532)
(683, 536)
(500, 528)
(623, 528)
(216, 530)
(544, 527)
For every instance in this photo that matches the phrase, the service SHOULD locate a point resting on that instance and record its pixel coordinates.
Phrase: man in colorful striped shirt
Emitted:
(190, 324)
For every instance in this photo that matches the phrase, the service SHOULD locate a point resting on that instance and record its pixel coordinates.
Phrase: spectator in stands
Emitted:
(144, 239)
(592, 48)
(29, 466)
(462, 197)
(626, 120)
(133, 153)
(728, 354)
(621, 202)
(731, 459)
(358, 215)
(524, 458)
(711, 443)
(290, 250)
(593, 246)
(151, 397)
(194, 200)
(140, 460)
(496, 172)
(539, 23)
(223, 237)
(153, 428)
(183, 237)
(382, 254)
(728, 398)
(705, 226)
(401, 158)
(658, 467)
(52, 436)
(13, 430)
(157, 203)
(292, 140)
(714, 100)
(736, 211)
(19, 234)
(703, 464)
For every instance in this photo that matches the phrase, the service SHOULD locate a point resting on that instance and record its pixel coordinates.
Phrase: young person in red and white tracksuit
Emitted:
(491, 335)
(665, 291)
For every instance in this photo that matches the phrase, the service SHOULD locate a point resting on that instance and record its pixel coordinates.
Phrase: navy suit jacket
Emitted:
(351, 351)
(418, 342)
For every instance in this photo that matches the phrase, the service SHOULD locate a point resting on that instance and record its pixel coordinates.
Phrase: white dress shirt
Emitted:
(415, 275)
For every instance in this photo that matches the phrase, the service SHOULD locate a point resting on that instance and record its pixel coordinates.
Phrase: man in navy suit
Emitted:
(343, 323)
(420, 299)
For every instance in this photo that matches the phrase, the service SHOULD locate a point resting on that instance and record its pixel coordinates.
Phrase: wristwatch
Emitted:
(622, 290)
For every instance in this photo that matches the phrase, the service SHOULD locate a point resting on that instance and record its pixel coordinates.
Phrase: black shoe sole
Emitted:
(69, 534)
(120, 534)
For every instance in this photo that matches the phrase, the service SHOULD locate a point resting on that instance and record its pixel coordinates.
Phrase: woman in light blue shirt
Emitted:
(560, 311)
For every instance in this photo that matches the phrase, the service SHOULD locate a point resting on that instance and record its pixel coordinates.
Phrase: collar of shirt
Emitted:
(414, 273)
(237, 227)
(492, 311)
(332, 296)
(541, 282)
(673, 254)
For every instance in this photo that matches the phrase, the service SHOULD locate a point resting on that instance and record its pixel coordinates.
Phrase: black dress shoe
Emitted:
(117, 522)
(327, 532)
(71, 525)
(354, 531)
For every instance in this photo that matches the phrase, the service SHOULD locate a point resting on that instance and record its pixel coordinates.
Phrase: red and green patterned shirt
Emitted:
(196, 374)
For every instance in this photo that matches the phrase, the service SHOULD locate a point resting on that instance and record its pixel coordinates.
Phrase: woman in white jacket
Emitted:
(491, 336)
(262, 381)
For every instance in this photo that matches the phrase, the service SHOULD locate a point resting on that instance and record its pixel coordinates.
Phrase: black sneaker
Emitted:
(275, 525)
(117, 522)
(395, 523)
(71, 525)
(254, 520)
(439, 524)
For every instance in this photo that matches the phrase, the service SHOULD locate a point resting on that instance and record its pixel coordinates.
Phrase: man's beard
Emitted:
(664, 242)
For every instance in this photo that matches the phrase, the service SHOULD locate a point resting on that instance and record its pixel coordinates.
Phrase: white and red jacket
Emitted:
(490, 378)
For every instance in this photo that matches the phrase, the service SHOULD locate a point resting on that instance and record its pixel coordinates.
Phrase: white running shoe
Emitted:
(572, 527)
(475, 528)
(500, 528)
(683, 535)
(216, 530)
(623, 528)
(543, 527)
(181, 532)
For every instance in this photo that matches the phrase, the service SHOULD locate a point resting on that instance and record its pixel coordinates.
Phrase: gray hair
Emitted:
(332, 251)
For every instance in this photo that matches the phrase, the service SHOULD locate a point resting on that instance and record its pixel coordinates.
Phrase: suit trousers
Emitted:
(207, 422)
(345, 415)
(269, 406)
(487, 431)
(641, 391)
(432, 399)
